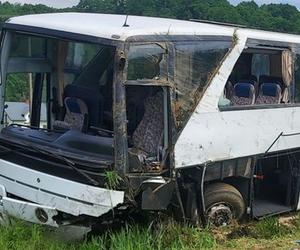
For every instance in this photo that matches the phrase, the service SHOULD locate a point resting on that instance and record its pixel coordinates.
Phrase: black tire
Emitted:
(223, 203)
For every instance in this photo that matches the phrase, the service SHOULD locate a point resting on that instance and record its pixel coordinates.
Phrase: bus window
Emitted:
(18, 97)
(146, 62)
(260, 77)
(195, 63)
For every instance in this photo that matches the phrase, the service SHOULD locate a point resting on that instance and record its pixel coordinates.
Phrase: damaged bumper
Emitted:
(42, 196)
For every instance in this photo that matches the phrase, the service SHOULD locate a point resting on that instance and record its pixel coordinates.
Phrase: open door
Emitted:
(275, 184)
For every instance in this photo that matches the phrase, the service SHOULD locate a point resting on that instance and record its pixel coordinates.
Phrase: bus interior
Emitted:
(74, 81)
(276, 181)
(261, 76)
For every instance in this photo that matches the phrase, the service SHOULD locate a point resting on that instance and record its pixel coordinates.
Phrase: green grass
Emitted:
(168, 234)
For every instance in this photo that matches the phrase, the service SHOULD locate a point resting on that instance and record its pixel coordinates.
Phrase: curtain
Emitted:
(287, 68)
(260, 65)
(287, 72)
(62, 52)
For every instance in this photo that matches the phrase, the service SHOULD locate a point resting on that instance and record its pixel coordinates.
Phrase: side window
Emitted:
(195, 63)
(260, 77)
(26, 100)
(18, 98)
(28, 46)
(77, 57)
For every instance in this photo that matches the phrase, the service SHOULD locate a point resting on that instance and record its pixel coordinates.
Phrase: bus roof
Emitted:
(112, 26)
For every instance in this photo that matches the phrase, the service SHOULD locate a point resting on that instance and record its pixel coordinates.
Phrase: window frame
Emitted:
(266, 45)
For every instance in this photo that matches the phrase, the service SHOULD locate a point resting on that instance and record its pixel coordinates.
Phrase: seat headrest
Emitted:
(246, 80)
(270, 89)
(244, 90)
(75, 105)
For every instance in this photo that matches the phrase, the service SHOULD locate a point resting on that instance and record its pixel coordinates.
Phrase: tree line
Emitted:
(275, 17)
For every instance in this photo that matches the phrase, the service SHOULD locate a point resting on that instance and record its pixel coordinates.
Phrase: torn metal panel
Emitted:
(28, 211)
(64, 195)
(213, 135)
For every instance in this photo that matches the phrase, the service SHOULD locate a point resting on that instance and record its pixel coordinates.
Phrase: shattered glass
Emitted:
(146, 62)
(195, 64)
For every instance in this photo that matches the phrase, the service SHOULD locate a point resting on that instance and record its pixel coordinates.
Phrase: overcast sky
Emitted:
(69, 3)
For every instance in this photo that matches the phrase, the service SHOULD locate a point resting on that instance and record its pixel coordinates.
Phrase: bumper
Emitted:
(45, 195)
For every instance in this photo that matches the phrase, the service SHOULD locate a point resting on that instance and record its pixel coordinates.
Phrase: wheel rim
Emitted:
(220, 214)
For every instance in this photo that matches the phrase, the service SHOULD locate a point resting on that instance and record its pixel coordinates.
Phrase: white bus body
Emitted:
(164, 111)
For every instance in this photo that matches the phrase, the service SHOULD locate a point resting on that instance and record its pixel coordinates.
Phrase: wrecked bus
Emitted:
(148, 114)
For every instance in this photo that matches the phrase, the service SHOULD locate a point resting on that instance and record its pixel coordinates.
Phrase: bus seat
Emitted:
(76, 115)
(244, 94)
(228, 90)
(148, 134)
(252, 80)
(272, 79)
(93, 100)
(270, 93)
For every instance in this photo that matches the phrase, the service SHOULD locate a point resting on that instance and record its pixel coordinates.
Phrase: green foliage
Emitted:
(167, 236)
(276, 17)
(113, 180)
(17, 88)
(159, 235)
(270, 228)
(28, 237)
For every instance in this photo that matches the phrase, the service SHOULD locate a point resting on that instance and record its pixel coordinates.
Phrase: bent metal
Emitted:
(154, 114)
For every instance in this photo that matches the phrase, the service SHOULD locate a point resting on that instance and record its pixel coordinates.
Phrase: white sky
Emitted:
(52, 3)
(70, 3)
(291, 2)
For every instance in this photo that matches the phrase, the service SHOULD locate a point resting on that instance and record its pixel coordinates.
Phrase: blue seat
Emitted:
(76, 116)
(244, 94)
(93, 100)
(270, 93)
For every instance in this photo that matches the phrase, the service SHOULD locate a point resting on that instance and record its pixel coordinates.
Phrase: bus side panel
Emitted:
(210, 137)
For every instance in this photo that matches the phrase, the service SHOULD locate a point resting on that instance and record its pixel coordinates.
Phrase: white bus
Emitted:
(148, 114)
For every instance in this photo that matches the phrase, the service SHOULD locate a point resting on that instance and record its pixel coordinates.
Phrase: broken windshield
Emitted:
(195, 64)
(147, 62)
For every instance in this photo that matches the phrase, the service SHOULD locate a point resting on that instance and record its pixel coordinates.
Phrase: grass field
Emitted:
(266, 234)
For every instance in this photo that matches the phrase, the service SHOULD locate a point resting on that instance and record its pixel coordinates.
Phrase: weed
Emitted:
(270, 228)
(113, 180)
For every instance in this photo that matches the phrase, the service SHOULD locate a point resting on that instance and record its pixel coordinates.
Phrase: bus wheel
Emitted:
(224, 203)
